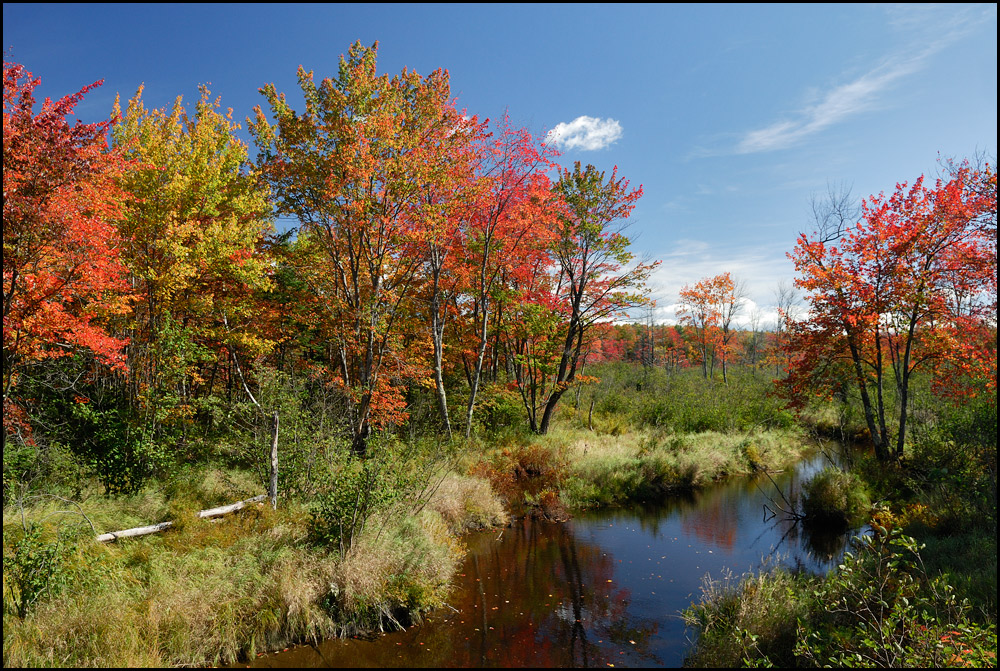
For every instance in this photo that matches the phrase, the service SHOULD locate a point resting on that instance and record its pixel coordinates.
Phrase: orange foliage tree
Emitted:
(62, 277)
(354, 168)
(709, 308)
(910, 286)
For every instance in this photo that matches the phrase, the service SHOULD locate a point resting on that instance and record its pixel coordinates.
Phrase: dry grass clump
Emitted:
(467, 503)
(391, 575)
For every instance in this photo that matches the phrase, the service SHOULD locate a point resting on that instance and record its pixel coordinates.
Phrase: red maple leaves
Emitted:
(911, 285)
(62, 277)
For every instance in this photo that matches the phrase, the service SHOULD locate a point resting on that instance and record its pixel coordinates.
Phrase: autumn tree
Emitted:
(353, 169)
(442, 222)
(706, 307)
(506, 222)
(597, 278)
(786, 302)
(897, 292)
(753, 340)
(62, 274)
(732, 295)
(192, 236)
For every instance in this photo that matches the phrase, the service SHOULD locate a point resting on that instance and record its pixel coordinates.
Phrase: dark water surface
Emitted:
(606, 588)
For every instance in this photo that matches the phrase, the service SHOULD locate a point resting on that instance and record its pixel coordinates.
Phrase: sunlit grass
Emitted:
(215, 592)
(644, 464)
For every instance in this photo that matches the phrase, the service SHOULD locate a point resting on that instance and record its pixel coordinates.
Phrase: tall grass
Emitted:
(681, 401)
(216, 592)
(645, 464)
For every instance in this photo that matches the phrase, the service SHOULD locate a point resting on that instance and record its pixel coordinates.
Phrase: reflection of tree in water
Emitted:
(715, 520)
(652, 514)
(824, 543)
(608, 619)
(542, 598)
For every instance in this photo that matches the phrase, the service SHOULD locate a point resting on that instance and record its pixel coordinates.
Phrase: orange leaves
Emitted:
(911, 285)
(709, 308)
(62, 277)
(368, 170)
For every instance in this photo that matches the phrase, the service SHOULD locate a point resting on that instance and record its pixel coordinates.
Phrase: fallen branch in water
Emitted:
(788, 512)
(154, 528)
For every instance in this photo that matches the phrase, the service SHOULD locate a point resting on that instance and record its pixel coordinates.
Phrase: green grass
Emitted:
(646, 464)
(746, 618)
(205, 592)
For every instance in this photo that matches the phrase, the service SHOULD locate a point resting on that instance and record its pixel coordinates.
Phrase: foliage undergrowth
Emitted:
(882, 608)
(681, 401)
(920, 591)
(216, 592)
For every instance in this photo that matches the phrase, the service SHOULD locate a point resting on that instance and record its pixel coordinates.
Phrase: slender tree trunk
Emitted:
(904, 386)
(477, 372)
(272, 490)
(881, 451)
(437, 335)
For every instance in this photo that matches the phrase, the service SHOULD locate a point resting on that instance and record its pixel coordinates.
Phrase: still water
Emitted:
(606, 588)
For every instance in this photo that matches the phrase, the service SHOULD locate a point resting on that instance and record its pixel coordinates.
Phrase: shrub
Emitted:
(34, 567)
(882, 609)
(836, 497)
(392, 476)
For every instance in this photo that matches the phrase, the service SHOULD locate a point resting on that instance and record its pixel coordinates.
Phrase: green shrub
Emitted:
(883, 609)
(836, 497)
(34, 567)
(391, 475)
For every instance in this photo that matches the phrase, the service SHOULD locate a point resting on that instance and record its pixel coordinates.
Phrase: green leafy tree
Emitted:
(597, 278)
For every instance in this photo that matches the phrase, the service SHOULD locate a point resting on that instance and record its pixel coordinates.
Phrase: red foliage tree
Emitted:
(905, 288)
(709, 308)
(62, 277)
(509, 222)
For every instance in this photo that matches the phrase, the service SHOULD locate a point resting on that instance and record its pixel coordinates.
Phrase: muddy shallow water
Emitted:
(606, 588)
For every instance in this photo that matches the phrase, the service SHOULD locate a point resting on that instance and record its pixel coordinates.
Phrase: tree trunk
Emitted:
(477, 373)
(272, 490)
(155, 528)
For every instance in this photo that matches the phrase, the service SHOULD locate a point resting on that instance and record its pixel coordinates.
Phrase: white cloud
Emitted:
(928, 29)
(842, 102)
(761, 269)
(585, 132)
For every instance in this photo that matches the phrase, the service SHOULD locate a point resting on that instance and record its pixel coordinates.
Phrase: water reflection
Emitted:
(606, 588)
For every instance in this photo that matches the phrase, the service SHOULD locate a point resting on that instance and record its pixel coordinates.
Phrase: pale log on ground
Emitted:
(154, 528)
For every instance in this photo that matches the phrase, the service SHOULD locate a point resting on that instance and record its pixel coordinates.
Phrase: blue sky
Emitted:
(731, 117)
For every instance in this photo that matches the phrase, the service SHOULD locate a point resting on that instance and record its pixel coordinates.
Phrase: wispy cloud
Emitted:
(928, 29)
(585, 132)
(842, 102)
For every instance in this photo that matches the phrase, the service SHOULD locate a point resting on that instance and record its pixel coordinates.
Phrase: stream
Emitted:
(605, 588)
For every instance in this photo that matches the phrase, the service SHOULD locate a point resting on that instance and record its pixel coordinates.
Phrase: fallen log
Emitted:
(155, 528)
(231, 508)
